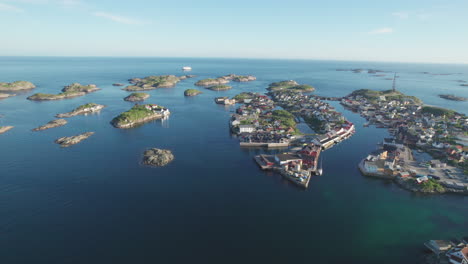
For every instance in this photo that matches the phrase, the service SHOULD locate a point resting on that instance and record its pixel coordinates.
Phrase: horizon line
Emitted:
(232, 58)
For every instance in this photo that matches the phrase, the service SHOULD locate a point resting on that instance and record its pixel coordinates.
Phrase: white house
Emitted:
(246, 129)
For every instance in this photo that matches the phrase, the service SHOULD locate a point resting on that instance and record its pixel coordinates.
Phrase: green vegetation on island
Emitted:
(192, 92)
(220, 87)
(212, 82)
(284, 117)
(437, 111)
(387, 95)
(16, 86)
(432, 186)
(290, 86)
(134, 97)
(69, 91)
(153, 82)
(243, 96)
(139, 114)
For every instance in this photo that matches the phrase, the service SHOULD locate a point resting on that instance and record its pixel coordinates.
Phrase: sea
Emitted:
(95, 202)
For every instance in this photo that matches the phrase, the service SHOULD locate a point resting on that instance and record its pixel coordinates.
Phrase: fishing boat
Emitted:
(186, 68)
(319, 169)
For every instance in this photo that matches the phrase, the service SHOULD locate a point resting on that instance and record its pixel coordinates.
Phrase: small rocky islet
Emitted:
(192, 92)
(4, 129)
(157, 157)
(51, 124)
(5, 95)
(136, 97)
(69, 91)
(219, 87)
(154, 82)
(452, 97)
(83, 110)
(139, 114)
(16, 86)
(70, 141)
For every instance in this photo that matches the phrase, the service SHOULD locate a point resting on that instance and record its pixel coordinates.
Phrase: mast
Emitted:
(394, 83)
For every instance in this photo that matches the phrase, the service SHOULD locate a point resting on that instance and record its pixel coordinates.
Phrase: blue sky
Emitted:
(366, 30)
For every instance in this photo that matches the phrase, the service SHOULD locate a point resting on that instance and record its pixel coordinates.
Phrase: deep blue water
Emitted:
(95, 203)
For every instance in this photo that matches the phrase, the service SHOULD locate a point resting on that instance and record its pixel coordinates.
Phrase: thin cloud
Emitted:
(401, 15)
(118, 19)
(385, 30)
(10, 8)
(423, 16)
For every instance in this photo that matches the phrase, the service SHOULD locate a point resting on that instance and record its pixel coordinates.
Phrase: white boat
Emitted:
(186, 68)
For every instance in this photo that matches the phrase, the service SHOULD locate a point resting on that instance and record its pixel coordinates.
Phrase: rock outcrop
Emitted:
(52, 124)
(157, 157)
(192, 92)
(4, 95)
(70, 141)
(69, 91)
(152, 82)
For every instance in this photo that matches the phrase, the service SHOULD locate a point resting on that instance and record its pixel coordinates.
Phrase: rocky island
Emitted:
(16, 86)
(136, 97)
(219, 87)
(157, 157)
(154, 82)
(139, 114)
(52, 124)
(4, 129)
(70, 141)
(290, 86)
(212, 82)
(192, 92)
(463, 84)
(118, 84)
(83, 110)
(4, 95)
(452, 97)
(69, 91)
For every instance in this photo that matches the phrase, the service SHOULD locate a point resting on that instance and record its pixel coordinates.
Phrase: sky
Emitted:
(362, 30)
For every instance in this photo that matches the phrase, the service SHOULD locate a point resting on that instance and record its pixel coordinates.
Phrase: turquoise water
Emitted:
(94, 202)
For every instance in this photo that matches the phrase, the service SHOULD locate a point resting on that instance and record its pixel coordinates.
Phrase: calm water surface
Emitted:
(94, 202)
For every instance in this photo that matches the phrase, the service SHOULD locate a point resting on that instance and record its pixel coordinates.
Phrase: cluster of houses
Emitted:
(297, 167)
(454, 250)
(443, 137)
(158, 109)
(254, 124)
(331, 124)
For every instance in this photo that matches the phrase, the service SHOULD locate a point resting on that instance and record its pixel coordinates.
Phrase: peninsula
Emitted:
(139, 114)
(16, 86)
(136, 97)
(4, 129)
(192, 92)
(413, 126)
(290, 86)
(157, 157)
(51, 124)
(69, 141)
(69, 91)
(83, 110)
(154, 82)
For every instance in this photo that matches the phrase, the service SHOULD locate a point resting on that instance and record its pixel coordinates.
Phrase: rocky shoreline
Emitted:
(157, 157)
(4, 95)
(52, 124)
(83, 110)
(4, 129)
(154, 82)
(70, 141)
(16, 86)
(139, 114)
(137, 122)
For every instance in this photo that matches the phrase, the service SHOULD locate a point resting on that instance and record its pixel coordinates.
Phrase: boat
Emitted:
(186, 68)
(320, 170)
